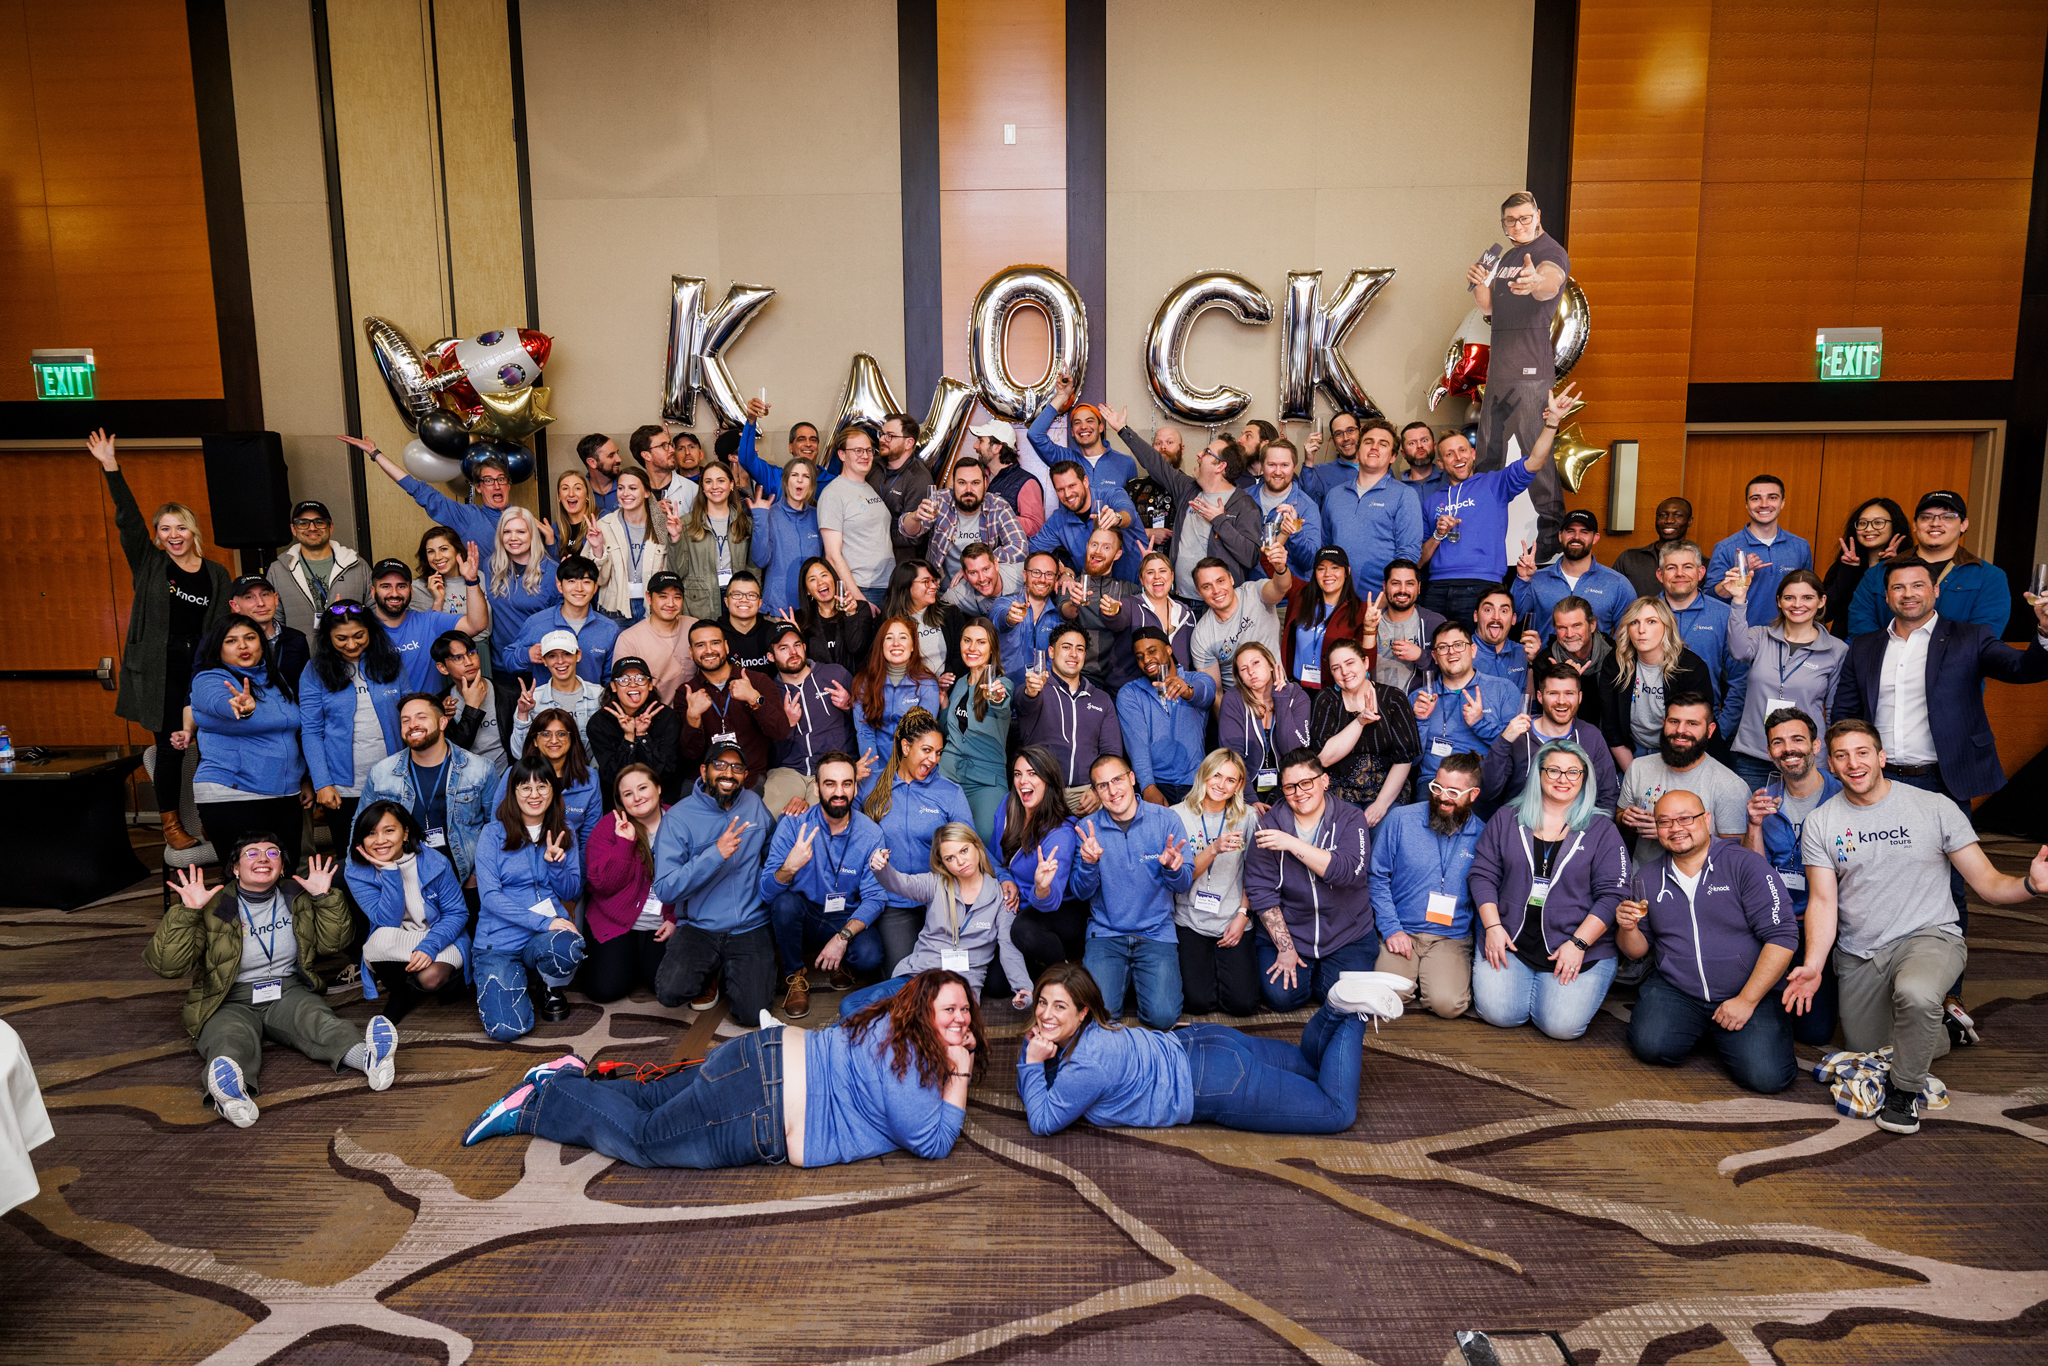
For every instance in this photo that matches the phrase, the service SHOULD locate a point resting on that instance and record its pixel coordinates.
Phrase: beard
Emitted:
(1448, 820)
(1795, 765)
(1400, 599)
(967, 502)
(1679, 752)
(836, 808)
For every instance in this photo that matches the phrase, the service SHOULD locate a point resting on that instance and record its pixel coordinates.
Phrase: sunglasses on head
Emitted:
(347, 609)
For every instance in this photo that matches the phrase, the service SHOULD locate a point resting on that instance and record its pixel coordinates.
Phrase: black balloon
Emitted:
(444, 434)
(518, 460)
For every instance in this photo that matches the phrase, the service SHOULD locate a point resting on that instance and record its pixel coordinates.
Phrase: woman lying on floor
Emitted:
(891, 1076)
(1078, 1064)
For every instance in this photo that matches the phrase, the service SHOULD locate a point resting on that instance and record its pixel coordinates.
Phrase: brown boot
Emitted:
(797, 1003)
(174, 834)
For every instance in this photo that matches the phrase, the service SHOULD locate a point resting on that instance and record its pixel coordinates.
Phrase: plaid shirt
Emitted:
(998, 525)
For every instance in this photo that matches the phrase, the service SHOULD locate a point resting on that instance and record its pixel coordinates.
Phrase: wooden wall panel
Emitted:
(1772, 271)
(2018, 721)
(1718, 470)
(487, 255)
(1897, 465)
(57, 553)
(1939, 265)
(1956, 90)
(1788, 90)
(64, 713)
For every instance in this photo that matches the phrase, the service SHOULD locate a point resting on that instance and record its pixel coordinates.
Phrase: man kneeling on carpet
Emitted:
(893, 1075)
(1078, 1063)
(250, 954)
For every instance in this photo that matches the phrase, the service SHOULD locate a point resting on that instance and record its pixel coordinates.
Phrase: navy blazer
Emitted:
(1960, 655)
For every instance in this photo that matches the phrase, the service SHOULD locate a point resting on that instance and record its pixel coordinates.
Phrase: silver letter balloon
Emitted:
(696, 349)
(1166, 344)
(406, 372)
(1039, 287)
(868, 400)
(1311, 342)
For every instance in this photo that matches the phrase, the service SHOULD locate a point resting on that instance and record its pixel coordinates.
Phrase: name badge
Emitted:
(835, 905)
(724, 577)
(1539, 891)
(954, 960)
(652, 906)
(1778, 704)
(1312, 674)
(1796, 881)
(1209, 903)
(725, 737)
(1443, 908)
(544, 907)
(1268, 779)
(437, 838)
(1440, 748)
(266, 992)
(636, 590)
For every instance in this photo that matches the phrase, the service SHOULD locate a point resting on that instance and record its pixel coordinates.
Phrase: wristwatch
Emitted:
(1583, 945)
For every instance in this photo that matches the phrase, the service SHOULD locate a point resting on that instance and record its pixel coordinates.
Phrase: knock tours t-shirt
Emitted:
(852, 508)
(1891, 864)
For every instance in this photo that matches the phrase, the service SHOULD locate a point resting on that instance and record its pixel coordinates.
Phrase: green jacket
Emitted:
(143, 665)
(697, 563)
(208, 944)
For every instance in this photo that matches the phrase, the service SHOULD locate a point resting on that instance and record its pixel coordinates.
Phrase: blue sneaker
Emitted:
(380, 1043)
(230, 1095)
(501, 1119)
(568, 1065)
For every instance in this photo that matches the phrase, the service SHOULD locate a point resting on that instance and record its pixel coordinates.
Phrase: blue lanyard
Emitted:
(1445, 852)
(839, 858)
(269, 945)
(1785, 678)
(420, 804)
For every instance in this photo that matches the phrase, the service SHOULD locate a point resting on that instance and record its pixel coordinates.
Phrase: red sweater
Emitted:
(617, 880)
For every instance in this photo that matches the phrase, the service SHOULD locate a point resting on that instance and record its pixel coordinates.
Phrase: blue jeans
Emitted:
(867, 996)
(727, 1112)
(1754, 772)
(1268, 1086)
(799, 922)
(502, 1000)
(1115, 960)
(1315, 977)
(1668, 1023)
(1515, 994)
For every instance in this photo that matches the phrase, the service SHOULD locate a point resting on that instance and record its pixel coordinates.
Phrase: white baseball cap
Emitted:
(558, 640)
(995, 429)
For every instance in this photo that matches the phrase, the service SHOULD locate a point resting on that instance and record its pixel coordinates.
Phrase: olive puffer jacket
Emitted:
(208, 944)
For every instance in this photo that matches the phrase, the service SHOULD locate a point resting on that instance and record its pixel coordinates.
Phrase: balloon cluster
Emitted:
(465, 399)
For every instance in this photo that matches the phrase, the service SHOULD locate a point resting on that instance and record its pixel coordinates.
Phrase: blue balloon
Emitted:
(518, 460)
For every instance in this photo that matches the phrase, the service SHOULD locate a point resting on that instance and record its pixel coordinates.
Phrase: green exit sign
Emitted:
(62, 374)
(1849, 352)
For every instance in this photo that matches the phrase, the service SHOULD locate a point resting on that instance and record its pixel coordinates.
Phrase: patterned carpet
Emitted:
(1494, 1180)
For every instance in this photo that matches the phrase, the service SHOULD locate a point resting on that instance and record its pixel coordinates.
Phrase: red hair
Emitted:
(911, 1030)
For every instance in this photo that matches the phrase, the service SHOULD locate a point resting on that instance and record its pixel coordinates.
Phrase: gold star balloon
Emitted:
(1574, 457)
(514, 415)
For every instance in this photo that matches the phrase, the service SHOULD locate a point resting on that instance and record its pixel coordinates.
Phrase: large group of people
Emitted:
(1072, 724)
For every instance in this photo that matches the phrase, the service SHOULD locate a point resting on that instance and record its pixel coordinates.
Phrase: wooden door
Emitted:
(1718, 469)
(1900, 466)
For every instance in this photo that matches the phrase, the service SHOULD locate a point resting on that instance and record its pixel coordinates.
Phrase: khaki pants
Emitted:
(1441, 970)
(783, 785)
(297, 1019)
(1084, 795)
(1896, 997)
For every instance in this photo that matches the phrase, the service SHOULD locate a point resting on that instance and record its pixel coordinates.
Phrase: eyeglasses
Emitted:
(261, 851)
(494, 481)
(1553, 771)
(1518, 220)
(308, 523)
(727, 766)
(1300, 789)
(1937, 515)
(1112, 784)
(1452, 647)
(1874, 524)
(1679, 822)
(1450, 794)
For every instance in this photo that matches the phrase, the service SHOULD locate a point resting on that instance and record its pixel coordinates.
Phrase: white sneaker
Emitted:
(229, 1092)
(380, 1042)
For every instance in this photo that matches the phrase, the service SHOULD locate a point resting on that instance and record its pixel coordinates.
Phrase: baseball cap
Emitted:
(385, 568)
(1943, 498)
(723, 748)
(311, 505)
(1332, 554)
(624, 664)
(664, 582)
(995, 429)
(1581, 517)
(783, 629)
(249, 583)
(558, 640)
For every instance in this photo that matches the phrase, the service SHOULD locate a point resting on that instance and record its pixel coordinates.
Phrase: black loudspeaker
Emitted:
(249, 488)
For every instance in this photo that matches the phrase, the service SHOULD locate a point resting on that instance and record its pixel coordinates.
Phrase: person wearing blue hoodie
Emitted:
(1083, 506)
(1307, 880)
(819, 889)
(786, 535)
(1108, 470)
(1376, 517)
(1720, 934)
(1574, 574)
(707, 863)
(408, 891)
(910, 799)
(250, 766)
(1078, 1063)
(1129, 865)
(1461, 710)
(348, 710)
(1163, 716)
(893, 682)
(528, 875)
(1465, 550)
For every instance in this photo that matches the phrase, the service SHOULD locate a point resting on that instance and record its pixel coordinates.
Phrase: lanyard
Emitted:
(1785, 678)
(1222, 820)
(1263, 734)
(839, 858)
(421, 806)
(724, 709)
(269, 945)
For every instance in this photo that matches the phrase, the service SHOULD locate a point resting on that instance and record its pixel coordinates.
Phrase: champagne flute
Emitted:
(2039, 588)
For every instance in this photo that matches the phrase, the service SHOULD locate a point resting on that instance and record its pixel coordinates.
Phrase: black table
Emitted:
(64, 828)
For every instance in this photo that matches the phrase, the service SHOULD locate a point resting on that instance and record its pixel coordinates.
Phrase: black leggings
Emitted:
(613, 968)
(1048, 937)
(279, 817)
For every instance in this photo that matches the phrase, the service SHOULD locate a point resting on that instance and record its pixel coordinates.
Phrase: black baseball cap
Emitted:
(1332, 554)
(665, 581)
(386, 568)
(782, 629)
(630, 664)
(249, 582)
(1581, 517)
(1943, 498)
(723, 748)
(311, 505)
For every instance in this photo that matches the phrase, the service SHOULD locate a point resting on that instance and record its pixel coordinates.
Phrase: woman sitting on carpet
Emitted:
(891, 1076)
(413, 900)
(528, 874)
(967, 917)
(1078, 1064)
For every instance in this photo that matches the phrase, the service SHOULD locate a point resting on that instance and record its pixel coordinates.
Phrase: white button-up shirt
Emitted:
(1902, 695)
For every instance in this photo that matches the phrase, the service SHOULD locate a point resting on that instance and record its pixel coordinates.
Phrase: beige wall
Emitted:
(749, 140)
(1388, 135)
(291, 259)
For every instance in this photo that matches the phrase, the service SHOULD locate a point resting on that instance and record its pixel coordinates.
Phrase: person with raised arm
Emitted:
(529, 873)
(1466, 549)
(1364, 734)
(978, 711)
(1463, 711)
(1219, 955)
(1162, 717)
(1072, 718)
(1035, 838)
(1131, 864)
(1560, 691)
(968, 918)
(251, 773)
(1106, 469)
(1306, 877)
(413, 630)
(728, 704)
(1792, 663)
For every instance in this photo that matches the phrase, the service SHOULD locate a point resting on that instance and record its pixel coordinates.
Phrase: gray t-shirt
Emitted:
(1646, 705)
(1192, 550)
(1213, 900)
(1725, 796)
(966, 531)
(367, 745)
(270, 950)
(1215, 642)
(1522, 353)
(852, 508)
(1396, 673)
(1891, 864)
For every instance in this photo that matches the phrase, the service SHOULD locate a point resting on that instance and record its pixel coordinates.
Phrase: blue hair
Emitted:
(1529, 810)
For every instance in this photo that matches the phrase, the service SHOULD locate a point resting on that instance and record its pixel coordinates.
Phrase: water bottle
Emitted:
(6, 747)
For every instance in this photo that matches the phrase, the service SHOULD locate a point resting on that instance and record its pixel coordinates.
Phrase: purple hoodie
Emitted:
(1077, 725)
(1590, 876)
(1238, 728)
(1709, 946)
(1323, 914)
